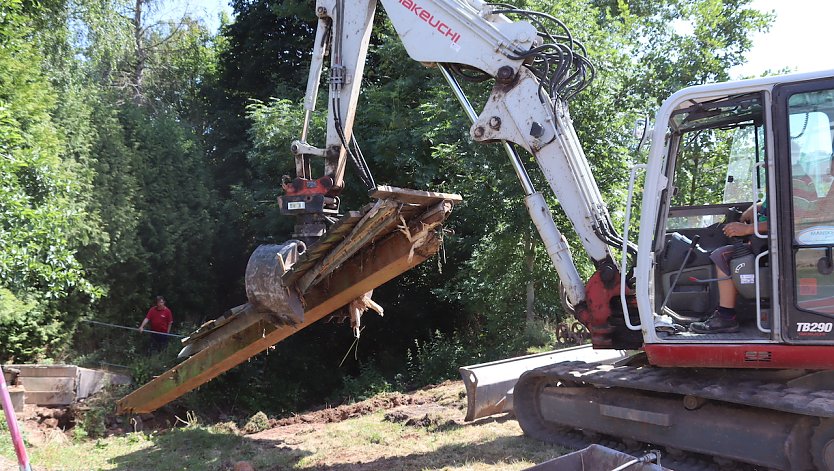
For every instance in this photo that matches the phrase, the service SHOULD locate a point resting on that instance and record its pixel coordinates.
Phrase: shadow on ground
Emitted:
(199, 449)
(500, 450)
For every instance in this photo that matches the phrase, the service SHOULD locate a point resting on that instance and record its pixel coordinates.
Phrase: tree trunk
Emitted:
(141, 53)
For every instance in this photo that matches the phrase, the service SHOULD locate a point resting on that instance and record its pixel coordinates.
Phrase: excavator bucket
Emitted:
(265, 289)
(600, 458)
(290, 286)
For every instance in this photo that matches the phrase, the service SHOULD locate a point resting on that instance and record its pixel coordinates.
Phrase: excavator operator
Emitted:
(723, 318)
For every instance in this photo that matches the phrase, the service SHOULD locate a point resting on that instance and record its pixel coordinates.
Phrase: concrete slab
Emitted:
(50, 398)
(17, 394)
(92, 381)
(60, 385)
(48, 383)
(46, 370)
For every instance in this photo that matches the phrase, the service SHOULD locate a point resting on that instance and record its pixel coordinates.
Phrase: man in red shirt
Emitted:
(160, 318)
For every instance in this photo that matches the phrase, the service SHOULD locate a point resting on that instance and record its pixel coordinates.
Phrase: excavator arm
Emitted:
(535, 73)
(332, 263)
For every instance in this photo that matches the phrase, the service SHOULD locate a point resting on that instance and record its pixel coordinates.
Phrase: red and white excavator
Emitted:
(762, 394)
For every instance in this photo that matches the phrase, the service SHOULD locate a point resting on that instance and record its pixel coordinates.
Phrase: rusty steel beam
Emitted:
(367, 270)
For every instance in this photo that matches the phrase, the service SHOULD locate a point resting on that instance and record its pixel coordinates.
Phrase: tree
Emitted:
(43, 204)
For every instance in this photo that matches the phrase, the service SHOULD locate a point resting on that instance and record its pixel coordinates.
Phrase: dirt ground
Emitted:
(416, 400)
(8, 465)
(414, 431)
(420, 430)
(432, 406)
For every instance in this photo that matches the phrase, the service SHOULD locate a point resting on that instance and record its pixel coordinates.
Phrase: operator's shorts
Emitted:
(721, 258)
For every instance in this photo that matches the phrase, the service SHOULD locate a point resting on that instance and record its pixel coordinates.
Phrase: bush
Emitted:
(91, 417)
(437, 359)
(93, 422)
(144, 367)
(540, 333)
(257, 423)
(369, 383)
(30, 327)
(229, 428)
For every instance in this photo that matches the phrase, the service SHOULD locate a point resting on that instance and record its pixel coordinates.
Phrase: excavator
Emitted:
(761, 393)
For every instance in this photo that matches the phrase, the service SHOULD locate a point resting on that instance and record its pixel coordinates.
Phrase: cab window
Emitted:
(810, 116)
(719, 145)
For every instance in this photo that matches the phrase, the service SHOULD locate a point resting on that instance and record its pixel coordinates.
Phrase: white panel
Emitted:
(456, 32)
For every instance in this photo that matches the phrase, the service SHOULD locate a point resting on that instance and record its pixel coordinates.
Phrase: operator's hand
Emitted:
(749, 213)
(141, 329)
(746, 217)
(738, 229)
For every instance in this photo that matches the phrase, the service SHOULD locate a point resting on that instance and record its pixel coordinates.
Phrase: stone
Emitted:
(243, 466)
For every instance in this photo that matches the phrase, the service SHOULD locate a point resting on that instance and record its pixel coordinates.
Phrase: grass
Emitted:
(197, 449)
(369, 442)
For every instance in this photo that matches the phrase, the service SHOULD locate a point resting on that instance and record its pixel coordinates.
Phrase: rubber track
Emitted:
(762, 394)
(675, 382)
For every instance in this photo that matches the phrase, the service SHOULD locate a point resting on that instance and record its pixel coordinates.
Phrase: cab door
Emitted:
(804, 130)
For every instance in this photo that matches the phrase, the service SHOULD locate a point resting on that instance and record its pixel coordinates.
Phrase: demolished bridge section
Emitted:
(361, 251)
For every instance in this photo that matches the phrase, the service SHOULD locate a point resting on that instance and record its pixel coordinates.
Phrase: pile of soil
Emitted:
(447, 393)
(348, 411)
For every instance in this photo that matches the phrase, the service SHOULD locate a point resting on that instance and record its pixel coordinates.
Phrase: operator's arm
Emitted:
(745, 226)
(740, 229)
(748, 214)
(143, 324)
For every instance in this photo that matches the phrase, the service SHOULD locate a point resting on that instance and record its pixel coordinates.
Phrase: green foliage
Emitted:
(257, 423)
(138, 159)
(437, 359)
(540, 333)
(44, 214)
(29, 327)
(702, 167)
(225, 428)
(368, 383)
(79, 433)
(91, 417)
(144, 366)
(39, 189)
(93, 423)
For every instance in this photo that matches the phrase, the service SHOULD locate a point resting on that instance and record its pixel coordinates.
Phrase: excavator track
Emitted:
(714, 413)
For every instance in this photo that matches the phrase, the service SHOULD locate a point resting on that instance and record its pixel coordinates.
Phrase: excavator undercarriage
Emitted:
(783, 419)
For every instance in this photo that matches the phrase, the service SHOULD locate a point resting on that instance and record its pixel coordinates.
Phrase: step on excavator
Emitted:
(758, 390)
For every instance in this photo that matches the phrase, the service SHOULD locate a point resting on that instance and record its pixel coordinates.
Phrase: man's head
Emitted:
(160, 302)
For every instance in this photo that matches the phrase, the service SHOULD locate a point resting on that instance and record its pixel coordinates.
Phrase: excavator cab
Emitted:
(717, 150)
(718, 171)
(763, 393)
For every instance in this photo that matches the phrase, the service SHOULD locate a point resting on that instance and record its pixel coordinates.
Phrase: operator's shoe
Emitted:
(715, 324)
